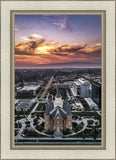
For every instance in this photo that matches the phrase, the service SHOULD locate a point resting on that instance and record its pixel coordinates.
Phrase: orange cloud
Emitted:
(37, 50)
(33, 37)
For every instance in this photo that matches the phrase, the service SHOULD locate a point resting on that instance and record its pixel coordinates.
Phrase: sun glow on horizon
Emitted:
(43, 49)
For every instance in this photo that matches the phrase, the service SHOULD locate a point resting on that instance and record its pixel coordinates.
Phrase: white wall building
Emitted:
(79, 106)
(29, 88)
(91, 104)
(82, 88)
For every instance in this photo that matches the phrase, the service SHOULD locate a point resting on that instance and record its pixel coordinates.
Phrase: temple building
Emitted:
(58, 115)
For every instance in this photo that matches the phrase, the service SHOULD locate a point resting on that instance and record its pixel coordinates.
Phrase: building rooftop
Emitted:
(81, 81)
(65, 111)
(58, 110)
(77, 83)
(79, 104)
(90, 102)
(30, 88)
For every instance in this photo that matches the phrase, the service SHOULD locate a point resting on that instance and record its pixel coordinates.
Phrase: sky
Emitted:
(57, 41)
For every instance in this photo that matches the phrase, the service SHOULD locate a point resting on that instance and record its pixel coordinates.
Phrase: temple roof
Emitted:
(58, 110)
(63, 112)
(49, 106)
(67, 107)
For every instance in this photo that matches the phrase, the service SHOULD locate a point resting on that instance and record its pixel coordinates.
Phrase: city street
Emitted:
(46, 87)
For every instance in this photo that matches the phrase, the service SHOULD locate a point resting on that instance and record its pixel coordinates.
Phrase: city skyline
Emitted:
(57, 41)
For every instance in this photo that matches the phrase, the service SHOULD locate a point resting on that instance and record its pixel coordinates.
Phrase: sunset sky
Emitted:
(57, 41)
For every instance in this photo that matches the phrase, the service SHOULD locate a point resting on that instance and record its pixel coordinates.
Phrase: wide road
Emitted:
(46, 87)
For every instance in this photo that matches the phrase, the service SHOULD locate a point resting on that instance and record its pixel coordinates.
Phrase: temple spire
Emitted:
(58, 91)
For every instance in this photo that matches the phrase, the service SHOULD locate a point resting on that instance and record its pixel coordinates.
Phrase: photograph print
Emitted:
(58, 79)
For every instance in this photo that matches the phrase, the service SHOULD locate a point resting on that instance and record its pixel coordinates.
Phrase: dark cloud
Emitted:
(66, 49)
(94, 52)
(76, 50)
(34, 44)
(39, 47)
(24, 52)
(28, 47)
(59, 54)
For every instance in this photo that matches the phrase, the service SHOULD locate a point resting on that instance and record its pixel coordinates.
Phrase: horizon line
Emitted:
(63, 68)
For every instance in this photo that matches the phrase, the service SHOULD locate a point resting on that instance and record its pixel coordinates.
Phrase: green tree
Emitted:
(78, 127)
(67, 131)
(83, 134)
(93, 133)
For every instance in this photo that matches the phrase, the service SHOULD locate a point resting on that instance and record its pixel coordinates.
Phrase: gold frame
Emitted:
(12, 69)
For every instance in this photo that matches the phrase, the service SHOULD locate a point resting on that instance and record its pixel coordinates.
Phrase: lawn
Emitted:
(40, 107)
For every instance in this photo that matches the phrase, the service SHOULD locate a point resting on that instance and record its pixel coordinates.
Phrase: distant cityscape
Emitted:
(60, 106)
